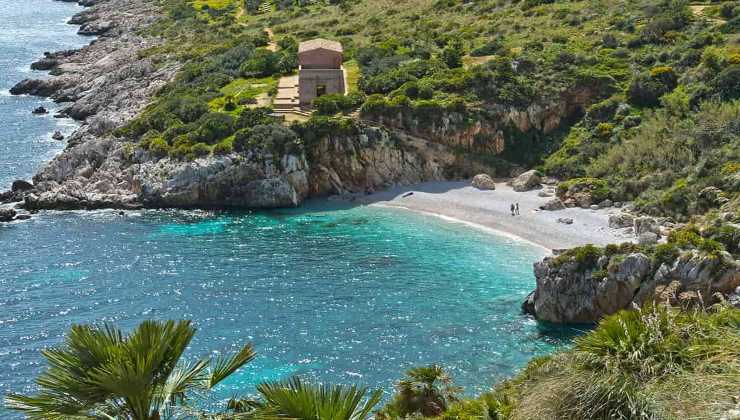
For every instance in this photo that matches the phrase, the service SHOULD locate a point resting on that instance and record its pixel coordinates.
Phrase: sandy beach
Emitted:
(458, 201)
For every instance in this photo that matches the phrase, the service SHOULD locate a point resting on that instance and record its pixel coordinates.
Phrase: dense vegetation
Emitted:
(656, 363)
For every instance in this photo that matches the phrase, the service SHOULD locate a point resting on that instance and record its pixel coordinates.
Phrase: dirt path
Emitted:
(271, 44)
(698, 11)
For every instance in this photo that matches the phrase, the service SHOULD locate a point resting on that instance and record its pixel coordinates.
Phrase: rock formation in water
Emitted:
(571, 291)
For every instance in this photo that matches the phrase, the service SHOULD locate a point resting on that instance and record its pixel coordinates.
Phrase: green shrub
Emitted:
(223, 148)
(183, 151)
(201, 149)
(214, 126)
(727, 82)
(604, 130)
(599, 188)
(159, 147)
(491, 47)
(334, 103)
(645, 89)
(585, 257)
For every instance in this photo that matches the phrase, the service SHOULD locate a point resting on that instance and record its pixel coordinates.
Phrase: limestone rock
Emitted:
(647, 238)
(527, 181)
(694, 271)
(645, 224)
(621, 220)
(565, 220)
(7, 215)
(564, 294)
(567, 293)
(21, 185)
(553, 205)
(484, 182)
(95, 28)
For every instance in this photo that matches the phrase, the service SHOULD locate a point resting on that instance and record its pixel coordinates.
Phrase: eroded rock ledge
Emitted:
(569, 293)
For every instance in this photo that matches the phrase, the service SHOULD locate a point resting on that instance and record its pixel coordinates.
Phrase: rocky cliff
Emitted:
(568, 292)
(108, 82)
(493, 128)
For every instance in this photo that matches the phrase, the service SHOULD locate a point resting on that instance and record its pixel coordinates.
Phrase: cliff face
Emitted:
(110, 173)
(377, 158)
(491, 129)
(567, 293)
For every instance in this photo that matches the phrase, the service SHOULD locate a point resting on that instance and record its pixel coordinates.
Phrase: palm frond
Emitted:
(223, 367)
(293, 399)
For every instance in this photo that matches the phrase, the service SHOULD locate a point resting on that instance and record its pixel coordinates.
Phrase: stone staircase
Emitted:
(287, 94)
(287, 100)
(265, 7)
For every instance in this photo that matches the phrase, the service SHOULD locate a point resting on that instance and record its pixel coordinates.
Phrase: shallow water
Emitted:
(345, 295)
(351, 295)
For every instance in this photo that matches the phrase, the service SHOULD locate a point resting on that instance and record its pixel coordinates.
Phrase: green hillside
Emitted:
(649, 88)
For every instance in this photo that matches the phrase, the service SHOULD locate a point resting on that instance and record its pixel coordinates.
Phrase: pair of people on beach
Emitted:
(515, 209)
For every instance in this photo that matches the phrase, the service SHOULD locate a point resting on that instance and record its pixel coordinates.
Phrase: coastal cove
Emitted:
(336, 294)
(368, 209)
(330, 291)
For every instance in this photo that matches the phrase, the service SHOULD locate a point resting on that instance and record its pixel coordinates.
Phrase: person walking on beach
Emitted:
(517, 209)
(512, 209)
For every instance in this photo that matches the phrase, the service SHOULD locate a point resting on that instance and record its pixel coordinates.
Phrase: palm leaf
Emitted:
(223, 367)
(295, 400)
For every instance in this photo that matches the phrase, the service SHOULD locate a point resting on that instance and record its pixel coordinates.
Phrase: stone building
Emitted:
(320, 71)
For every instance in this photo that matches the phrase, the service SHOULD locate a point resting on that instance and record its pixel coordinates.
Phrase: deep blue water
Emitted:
(27, 29)
(350, 295)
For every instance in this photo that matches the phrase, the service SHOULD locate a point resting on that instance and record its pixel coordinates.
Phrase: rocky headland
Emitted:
(586, 284)
(108, 82)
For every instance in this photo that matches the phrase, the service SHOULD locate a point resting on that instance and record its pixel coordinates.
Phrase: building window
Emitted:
(320, 90)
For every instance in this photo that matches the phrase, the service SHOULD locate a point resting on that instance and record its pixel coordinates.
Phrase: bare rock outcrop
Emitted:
(567, 293)
(483, 182)
(527, 181)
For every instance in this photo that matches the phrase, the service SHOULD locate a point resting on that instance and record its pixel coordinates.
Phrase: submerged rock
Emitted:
(58, 136)
(7, 215)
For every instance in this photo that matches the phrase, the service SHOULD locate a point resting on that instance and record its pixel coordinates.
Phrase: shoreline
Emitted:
(458, 202)
(488, 230)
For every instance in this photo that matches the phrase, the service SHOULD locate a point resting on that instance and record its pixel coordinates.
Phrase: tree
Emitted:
(263, 63)
(296, 400)
(98, 373)
(426, 390)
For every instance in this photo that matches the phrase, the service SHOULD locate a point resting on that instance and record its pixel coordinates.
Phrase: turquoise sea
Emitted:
(340, 294)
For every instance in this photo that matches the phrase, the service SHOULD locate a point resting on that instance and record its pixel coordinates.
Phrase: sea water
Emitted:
(27, 29)
(333, 293)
